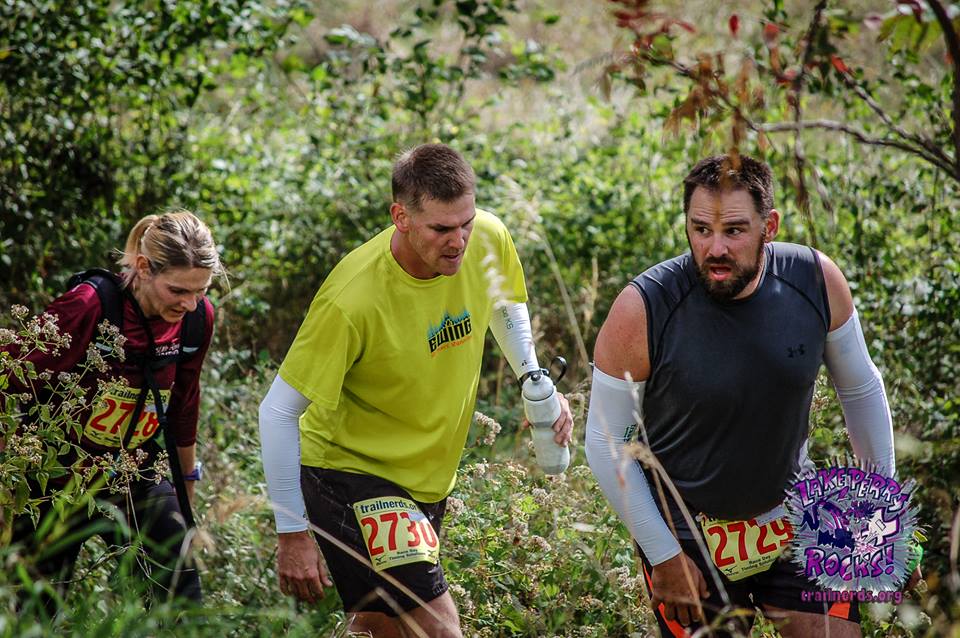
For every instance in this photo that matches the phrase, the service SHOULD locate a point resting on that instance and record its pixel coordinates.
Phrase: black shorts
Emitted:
(329, 496)
(780, 586)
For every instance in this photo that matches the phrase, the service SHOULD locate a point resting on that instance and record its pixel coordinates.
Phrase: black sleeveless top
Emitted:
(727, 403)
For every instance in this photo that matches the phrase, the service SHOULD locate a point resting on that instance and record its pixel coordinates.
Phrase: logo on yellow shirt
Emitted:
(451, 332)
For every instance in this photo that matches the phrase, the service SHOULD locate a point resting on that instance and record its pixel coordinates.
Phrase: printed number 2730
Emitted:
(385, 529)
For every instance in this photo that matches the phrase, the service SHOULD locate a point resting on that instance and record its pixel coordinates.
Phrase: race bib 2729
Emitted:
(744, 548)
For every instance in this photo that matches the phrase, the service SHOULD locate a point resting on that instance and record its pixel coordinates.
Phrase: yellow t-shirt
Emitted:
(391, 363)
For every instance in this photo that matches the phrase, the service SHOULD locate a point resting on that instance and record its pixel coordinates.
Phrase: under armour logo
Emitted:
(796, 352)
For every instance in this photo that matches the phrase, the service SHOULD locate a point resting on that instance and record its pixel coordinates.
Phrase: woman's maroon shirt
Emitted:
(79, 314)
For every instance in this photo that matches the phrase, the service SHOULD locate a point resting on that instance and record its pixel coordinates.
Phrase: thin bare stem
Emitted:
(859, 135)
(642, 452)
(953, 47)
(918, 140)
(567, 302)
(363, 560)
(531, 208)
(799, 156)
(955, 551)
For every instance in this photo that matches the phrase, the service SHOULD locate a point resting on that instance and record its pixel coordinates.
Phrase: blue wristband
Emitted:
(196, 474)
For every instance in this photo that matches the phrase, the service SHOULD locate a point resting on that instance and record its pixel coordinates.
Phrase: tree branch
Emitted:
(800, 158)
(860, 136)
(896, 136)
(953, 47)
(918, 140)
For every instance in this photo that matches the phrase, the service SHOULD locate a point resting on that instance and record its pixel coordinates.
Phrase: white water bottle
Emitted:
(542, 408)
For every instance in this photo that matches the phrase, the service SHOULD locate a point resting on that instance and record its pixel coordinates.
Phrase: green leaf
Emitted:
(301, 16)
(888, 25)
(22, 496)
(662, 46)
(906, 34)
(292, 63)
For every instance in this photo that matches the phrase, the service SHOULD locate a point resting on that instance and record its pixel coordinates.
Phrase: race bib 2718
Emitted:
(110, 419)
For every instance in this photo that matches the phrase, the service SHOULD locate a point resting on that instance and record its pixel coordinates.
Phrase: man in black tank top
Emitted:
(723, 345)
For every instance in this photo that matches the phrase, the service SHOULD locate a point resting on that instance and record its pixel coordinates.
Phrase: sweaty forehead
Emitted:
(726, 205)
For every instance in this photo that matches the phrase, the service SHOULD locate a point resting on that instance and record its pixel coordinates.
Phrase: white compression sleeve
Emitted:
(861, 393)
(610, 425)
(280, 450)
(510, 325)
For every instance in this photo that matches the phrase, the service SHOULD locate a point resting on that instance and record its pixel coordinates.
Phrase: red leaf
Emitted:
(687, 26)
(734, 24)
(839, 64)
(770, 33)
(787, 77)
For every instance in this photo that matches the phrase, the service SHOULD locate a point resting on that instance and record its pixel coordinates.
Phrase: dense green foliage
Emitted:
(283, 141)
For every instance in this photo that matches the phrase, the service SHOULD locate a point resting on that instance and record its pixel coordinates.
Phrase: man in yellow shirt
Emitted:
(376, 395)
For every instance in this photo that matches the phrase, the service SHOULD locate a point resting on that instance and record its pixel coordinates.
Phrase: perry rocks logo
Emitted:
(852, 528)
(451, 332)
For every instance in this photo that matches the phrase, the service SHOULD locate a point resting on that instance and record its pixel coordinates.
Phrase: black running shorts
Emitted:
(780, 586)
(398, 535)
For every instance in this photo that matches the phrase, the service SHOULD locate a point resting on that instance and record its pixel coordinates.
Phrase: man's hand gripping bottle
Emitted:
(541, 405)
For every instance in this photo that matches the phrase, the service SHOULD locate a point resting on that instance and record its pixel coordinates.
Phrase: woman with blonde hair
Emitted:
(158, 305)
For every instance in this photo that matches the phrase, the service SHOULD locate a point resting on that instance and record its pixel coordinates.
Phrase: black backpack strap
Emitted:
(193, 329)
(173, 456)
(109, 291)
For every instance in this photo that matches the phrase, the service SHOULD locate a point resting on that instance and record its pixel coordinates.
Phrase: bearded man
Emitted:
(723, 346)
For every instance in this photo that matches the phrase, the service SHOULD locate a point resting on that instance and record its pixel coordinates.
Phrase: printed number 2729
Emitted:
(751, 539)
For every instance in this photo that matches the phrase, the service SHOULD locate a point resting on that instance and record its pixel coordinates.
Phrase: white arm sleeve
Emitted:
(611, 423)
(861, 393)
(510, 325)
(280, 450)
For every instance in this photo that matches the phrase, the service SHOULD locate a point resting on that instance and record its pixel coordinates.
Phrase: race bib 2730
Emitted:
(110, 419)
(396, 532)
